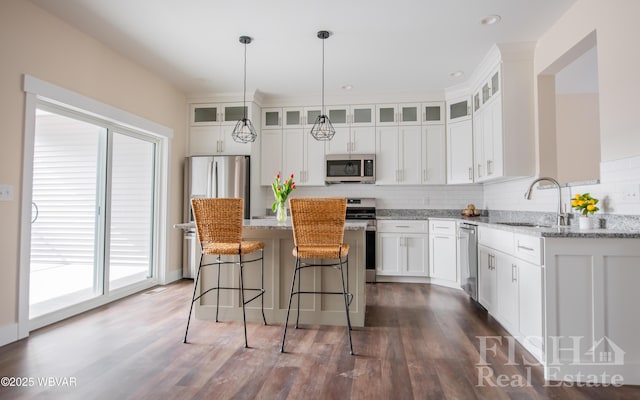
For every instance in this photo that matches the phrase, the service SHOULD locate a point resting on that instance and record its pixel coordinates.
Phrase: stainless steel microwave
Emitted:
(354, 168)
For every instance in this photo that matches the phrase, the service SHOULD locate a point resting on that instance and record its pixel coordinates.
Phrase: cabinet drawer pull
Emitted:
(514, 272)
(442, 237)
(440, 227)
(403, 226)
(525, 247)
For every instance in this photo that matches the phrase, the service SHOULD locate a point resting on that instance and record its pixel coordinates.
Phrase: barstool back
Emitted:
(218, 220)
(318, 221)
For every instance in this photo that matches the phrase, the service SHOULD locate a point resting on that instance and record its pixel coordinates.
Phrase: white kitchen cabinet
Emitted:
(530, 305)
(434, 165)
(433, 113)
(409, 114)
(355, 139)
(271, 155)
(591, 293)
(510, 283)
(355, 130)
(402, 248)
(310, 115)
(443, 252)
(303, 156)
(459, 109)
(215, 139)
(399, 155)
(503, 120)
(211, 127)
(292, 117)
(218, 113)
(460, 152)
(487, 132)
(398, 114)
(388, 253)
(272, 118)
(339, 115)
(362, 115)
(487, 285)
(507, 309)
(386, 114)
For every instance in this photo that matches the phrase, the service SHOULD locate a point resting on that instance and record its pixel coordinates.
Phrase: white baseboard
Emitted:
(8, 334)
(172, 276)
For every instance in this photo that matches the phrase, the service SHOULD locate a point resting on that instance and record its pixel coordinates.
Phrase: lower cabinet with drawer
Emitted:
(443, 266)
(510, 283)
(402, 248)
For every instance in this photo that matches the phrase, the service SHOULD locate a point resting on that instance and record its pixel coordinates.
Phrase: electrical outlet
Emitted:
(632, 193)
(6, 192)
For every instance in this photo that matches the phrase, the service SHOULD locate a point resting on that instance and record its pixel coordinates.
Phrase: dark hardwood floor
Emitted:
(420, 342)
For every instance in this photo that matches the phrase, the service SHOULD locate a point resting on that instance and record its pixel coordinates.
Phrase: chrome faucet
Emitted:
(562, 220)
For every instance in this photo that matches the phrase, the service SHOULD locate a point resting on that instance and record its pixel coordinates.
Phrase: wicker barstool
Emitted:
(318, 232)
(219, 227)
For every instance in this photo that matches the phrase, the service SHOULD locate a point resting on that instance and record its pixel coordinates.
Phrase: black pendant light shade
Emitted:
(322, 128)
(244, 131)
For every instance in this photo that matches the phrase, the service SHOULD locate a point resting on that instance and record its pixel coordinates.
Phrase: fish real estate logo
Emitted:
(603, 352)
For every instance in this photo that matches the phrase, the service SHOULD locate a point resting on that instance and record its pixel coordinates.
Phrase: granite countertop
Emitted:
(542, 230)
(271, 223)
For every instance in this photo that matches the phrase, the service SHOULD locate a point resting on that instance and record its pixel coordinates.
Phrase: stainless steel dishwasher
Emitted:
(468, 258)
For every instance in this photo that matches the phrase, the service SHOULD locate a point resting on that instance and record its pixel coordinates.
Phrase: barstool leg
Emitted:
(346, 306)
(299, 280)
(218, 289)
(262, 285)
(193, 298)
(244, 315)
(286, 321)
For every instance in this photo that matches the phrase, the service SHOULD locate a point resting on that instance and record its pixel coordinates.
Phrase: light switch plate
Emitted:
(6, 192)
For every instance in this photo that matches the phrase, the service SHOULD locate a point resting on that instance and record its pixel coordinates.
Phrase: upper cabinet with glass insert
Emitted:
(271, 118)
(398, 114)
(362, 115)
(487, 89)
(386, 114)
(217, 114)
(433, 113)
(351, 115)
(459, 109)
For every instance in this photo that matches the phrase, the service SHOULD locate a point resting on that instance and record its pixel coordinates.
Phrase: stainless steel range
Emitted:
(365, 210)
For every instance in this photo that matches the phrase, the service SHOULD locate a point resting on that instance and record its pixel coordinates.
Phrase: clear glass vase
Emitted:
(281, 213)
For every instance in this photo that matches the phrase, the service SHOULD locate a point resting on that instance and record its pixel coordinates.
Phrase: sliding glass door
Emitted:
(131, 211)
(94, 210)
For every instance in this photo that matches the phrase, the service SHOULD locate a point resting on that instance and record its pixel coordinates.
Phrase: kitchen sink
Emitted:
(526, 224)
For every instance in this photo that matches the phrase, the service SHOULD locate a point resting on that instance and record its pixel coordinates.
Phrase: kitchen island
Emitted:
(278, 271)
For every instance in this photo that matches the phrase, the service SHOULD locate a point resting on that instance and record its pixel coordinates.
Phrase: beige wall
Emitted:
(34, 42)
(578, 138)
(615, 22)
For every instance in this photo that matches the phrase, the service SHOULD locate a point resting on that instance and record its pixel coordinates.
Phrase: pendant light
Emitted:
(322, 128)
(244, 131)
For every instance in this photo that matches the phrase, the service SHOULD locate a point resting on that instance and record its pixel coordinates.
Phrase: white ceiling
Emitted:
(383, 48)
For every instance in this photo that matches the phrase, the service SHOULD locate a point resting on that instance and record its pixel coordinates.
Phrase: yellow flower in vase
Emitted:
(584, 204)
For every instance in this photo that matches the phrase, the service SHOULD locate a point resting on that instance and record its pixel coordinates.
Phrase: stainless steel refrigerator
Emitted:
(211, 176)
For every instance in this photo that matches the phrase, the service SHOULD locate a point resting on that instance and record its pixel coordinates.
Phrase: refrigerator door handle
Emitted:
(210, 178)
(215, 179)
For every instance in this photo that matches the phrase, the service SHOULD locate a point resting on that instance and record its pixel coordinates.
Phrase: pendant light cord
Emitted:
(323, 76)
(244, 88)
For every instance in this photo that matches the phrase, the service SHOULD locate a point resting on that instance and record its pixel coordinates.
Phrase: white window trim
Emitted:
(38, 90)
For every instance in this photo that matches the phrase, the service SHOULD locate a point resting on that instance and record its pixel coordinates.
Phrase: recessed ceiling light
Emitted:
(456, 74)
(347, 87)
(490, 20)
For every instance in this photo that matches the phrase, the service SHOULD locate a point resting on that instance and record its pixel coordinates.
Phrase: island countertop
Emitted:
(272, 223)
